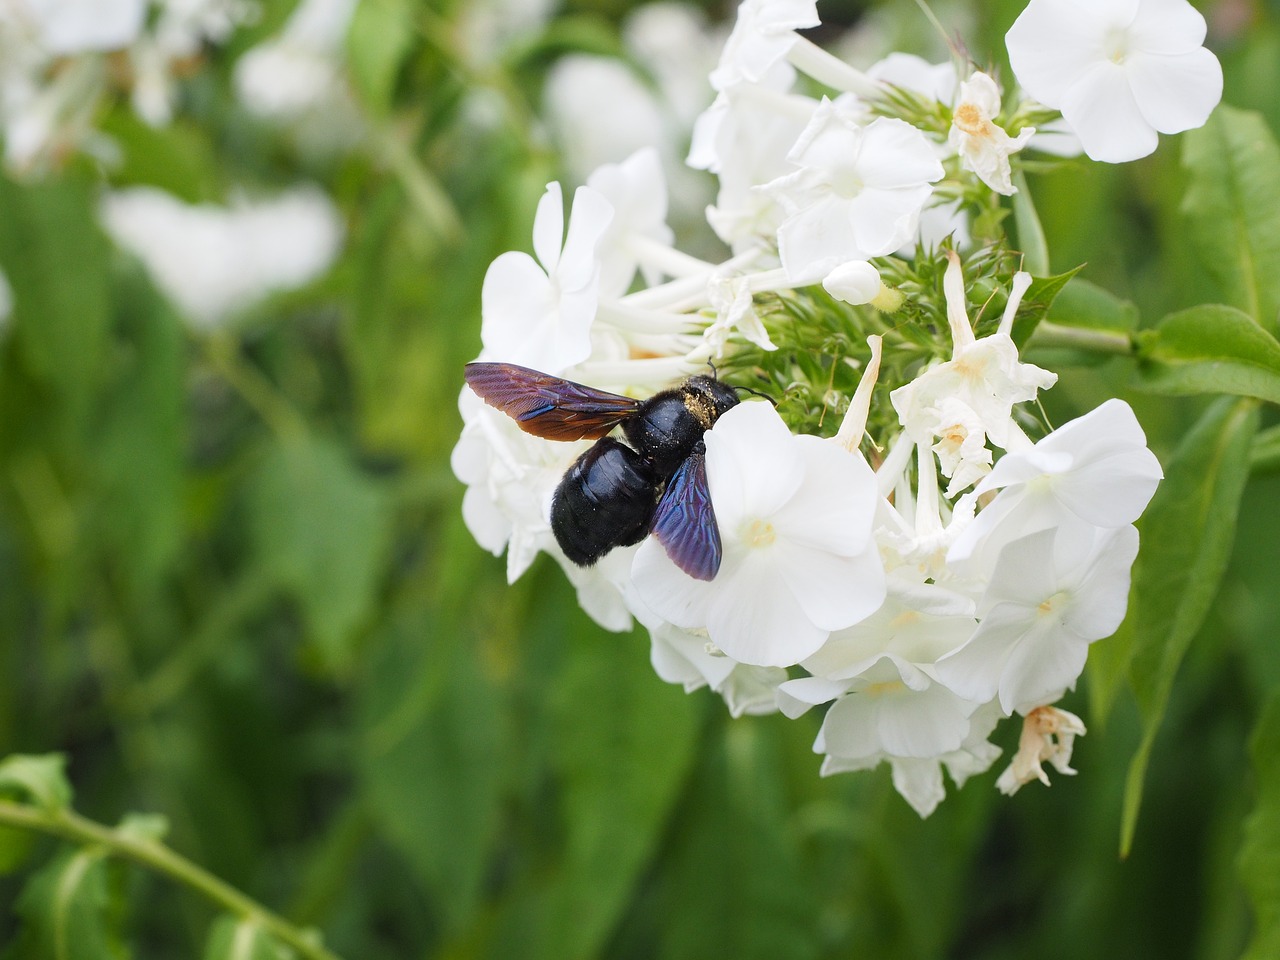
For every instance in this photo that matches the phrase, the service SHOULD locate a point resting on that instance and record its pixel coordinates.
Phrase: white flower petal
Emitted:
(1175, 93)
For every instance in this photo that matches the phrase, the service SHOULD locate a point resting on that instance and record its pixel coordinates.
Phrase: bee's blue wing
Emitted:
(685, 522)
(549, 407)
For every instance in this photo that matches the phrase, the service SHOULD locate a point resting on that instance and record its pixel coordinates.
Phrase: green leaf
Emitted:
(322, 530)
(41, 780)
(139, 443)
(1260, 851)
(1187, 535)
(380, 38)
(1209, 349)
(1085, 304)
(56, 260)
(1231, 202)
(71, 910)
(1036, 303)
(432, 740)
(234, 938)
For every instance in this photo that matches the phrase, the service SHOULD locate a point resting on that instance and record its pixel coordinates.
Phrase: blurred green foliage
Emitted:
(237, 591)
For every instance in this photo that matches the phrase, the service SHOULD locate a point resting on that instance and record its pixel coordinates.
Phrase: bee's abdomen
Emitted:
(606, 500)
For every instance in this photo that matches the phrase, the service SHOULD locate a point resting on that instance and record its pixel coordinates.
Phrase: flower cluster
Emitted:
(943, 558)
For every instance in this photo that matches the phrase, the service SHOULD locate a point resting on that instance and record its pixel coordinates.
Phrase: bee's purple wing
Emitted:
(546, 406)
(685, 522)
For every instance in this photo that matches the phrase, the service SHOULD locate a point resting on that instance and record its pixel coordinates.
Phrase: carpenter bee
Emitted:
(617, 493)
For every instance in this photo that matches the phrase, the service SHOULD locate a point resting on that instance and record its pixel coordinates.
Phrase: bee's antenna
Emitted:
(756, 393)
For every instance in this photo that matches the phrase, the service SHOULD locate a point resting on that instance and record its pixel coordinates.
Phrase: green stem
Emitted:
(222, 350)
(1049, 334)
(155, 855)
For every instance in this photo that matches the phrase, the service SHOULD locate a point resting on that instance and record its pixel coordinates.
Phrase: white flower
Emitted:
(961, 447)
(1095, 469)
(763, 34)
(215, 261)
(1119, 70)
(300, 68)
(854, 282)
(78, 26)
(679, 656)
(637, 191)
(858, 193)
(1047, 734)
(985, 374)
(1051, 595)
(984, 147)
(794, 515)
(538, 313)
(601, 111)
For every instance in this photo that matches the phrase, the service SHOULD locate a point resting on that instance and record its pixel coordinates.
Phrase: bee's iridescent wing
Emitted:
(685, 522)
(546, 406)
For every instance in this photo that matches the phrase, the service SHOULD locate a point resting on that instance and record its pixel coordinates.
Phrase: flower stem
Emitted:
(155, 855)
(1049, 334)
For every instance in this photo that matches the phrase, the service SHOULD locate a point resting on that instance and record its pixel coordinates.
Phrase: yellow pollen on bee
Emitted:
(760, 533)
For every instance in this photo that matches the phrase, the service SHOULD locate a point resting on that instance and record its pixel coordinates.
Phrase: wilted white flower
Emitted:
(1119, 70)
(1048, 734)
(983, 146)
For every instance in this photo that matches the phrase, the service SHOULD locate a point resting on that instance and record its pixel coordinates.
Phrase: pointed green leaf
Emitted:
(1037, 302)
(40, 780)
(234, 938)
(1231, 202)
(381, 36)
(1187, 535)
(1085, 304)
(1260, 851)
(1209, 349)
(322, 530)
(71, 910)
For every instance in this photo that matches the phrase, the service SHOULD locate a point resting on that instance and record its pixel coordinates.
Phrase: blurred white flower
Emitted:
(538, 313)
(983, 146)
(858, 193)
(794, 515)
(854, 282)
(1119, 70)
(215, 261)
(300, 69)
(637, 192)
(64, 27)
(679, 656)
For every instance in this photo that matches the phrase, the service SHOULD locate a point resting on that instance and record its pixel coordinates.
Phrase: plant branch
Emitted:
(155, 855)
(1049, 334)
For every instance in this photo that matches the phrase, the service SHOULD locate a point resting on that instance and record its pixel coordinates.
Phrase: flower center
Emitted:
(1054, 603)
(969, 119)
(846, 183)
(759, 533)
(1115, 45)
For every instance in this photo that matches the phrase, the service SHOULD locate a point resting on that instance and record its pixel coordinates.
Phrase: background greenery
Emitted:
(236, 591)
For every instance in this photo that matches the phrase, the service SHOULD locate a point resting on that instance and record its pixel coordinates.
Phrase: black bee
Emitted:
(617, 493)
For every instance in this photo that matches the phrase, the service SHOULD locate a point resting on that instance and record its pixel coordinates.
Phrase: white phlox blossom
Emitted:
(683, 657)
(920, 573)
(1052, 593)
(538, 313)
(857, 193)
(763, 35)
(983, 146)
(985, 373)
(795, 518)
(1120, 71)
(1048, 735)
(212, 261)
